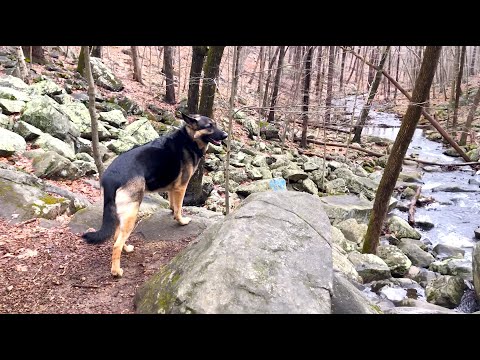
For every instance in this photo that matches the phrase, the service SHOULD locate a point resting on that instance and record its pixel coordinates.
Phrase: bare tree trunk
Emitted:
(267, 81)
(319, 70)
(328, 101)
(470, 117)
(97, 51)
(276, 84)
(198, 57)
(262, 68)
(168, 69)
(458, 91)
(179, 74)
(210, 76)
(236, 56)
(399, 149)
(22, 66)
(137, 70)
(194, 193)
(91, 109)
(259, 60)
(454, 73)
(472, 61)
(306, 95)
(344, 53)
(373, 91)
(35, 54)
(371, 72)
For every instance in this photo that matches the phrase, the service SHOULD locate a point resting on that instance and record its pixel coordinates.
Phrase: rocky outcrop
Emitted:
(103, 76)
(446, 291)
(286, 270)
(11, 143)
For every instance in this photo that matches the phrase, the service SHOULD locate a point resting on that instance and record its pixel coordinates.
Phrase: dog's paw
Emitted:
(117, 272)
(184, 220)
(128, 248)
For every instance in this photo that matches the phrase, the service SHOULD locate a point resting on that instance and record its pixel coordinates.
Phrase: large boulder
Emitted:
(417, 256)
(13, 94)
(342, 265)
(342, 207)
(446, 291)
(11, 106)
(452, 266)
(45, 114)
(370, 267)
(401, 229)
(353, 231)
(113, 117)
(397, 261)
(23, 198)
(356, 184)
(51, 165)
(13, 82)
(142, 131)
(49, 143)
(231, 269)
(45, 87)
(11, 143)
(27, 131)
(259, 186)
(80, 116)
(103, 76)
(347, 299)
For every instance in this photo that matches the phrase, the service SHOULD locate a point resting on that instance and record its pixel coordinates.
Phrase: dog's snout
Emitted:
(224, 135)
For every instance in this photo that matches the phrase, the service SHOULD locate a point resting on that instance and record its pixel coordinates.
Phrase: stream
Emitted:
(454, 214)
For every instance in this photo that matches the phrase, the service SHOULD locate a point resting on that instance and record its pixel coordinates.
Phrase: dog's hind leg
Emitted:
(128, 201)
(170, 200)
(178, 195)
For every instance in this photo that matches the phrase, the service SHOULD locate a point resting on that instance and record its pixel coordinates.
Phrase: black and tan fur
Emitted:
(164, 164)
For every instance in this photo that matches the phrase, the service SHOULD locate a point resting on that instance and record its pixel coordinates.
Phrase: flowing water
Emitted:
(455, 214)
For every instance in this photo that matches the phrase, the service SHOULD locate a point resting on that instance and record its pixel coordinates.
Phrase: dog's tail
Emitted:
(110, 219)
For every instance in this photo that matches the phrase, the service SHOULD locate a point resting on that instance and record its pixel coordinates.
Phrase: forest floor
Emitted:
(45, 268)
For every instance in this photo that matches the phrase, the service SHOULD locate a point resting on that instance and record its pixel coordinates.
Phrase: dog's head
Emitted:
(204, 129)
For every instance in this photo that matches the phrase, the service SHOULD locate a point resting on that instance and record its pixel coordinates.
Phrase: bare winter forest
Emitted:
(348, 183)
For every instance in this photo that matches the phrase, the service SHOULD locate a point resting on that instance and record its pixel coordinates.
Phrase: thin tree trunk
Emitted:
(373, 91)
(210, 76)
(276, 84)
(472, 61)
(22, 66)
(454, 72)
(344, 53)
(137, 70)
(371, 72)
(396, 73)
(97, 51)
(256, 66)
(91, 109)
(306, 95)
(179, 74)
(198, 57)
(458, 90)
(262, 68)
(328, 101)
(319, 71)
(399, 149)
(236, 56)
(267, 81)
(470, 117)
(168, 69)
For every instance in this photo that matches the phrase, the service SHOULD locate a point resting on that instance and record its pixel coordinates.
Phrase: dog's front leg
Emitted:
(170, 200)
(178, 195)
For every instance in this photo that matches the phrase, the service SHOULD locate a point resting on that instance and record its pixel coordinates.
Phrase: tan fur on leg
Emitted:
(178, 202)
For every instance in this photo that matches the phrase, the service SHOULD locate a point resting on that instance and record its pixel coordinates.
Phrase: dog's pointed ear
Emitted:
(191, 121)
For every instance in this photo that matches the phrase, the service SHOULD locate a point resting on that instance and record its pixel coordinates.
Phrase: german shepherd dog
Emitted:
(164, 164)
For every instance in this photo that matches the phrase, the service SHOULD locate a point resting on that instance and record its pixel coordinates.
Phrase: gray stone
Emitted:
(474, 154)
(23, 198)
(421, 305)
(256, 186)
(11, 143)
(45, 87)
(45, 114)
(446, 291)
(453, 188)
(13, 94)
(397, 261)
(336, 187)
(422, 276)
(294, 174)
(353, 231)
(27, 131)
(476, 268)
(347, 299)
(410, 176)
(114, 117)
(85, 146)
(309, 186)
(266, 173)
(85, 167)
(13, 82)
(443, 251)
(370, 267)
(252, 127)
(451, 266)
(341, 264)
(477, 233)
(310, 166)
(79, 115)
(11, 106)
(418, 257)
(342, 207)
(339, 239)
(286, 270)
(401, 229)
(253, 173)
(406, 310)
(122, 144)
(6, 122)
(452, 152)
(142, 131)
(103, 76)
(48, 143)
(54, 166)
(84, 157)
